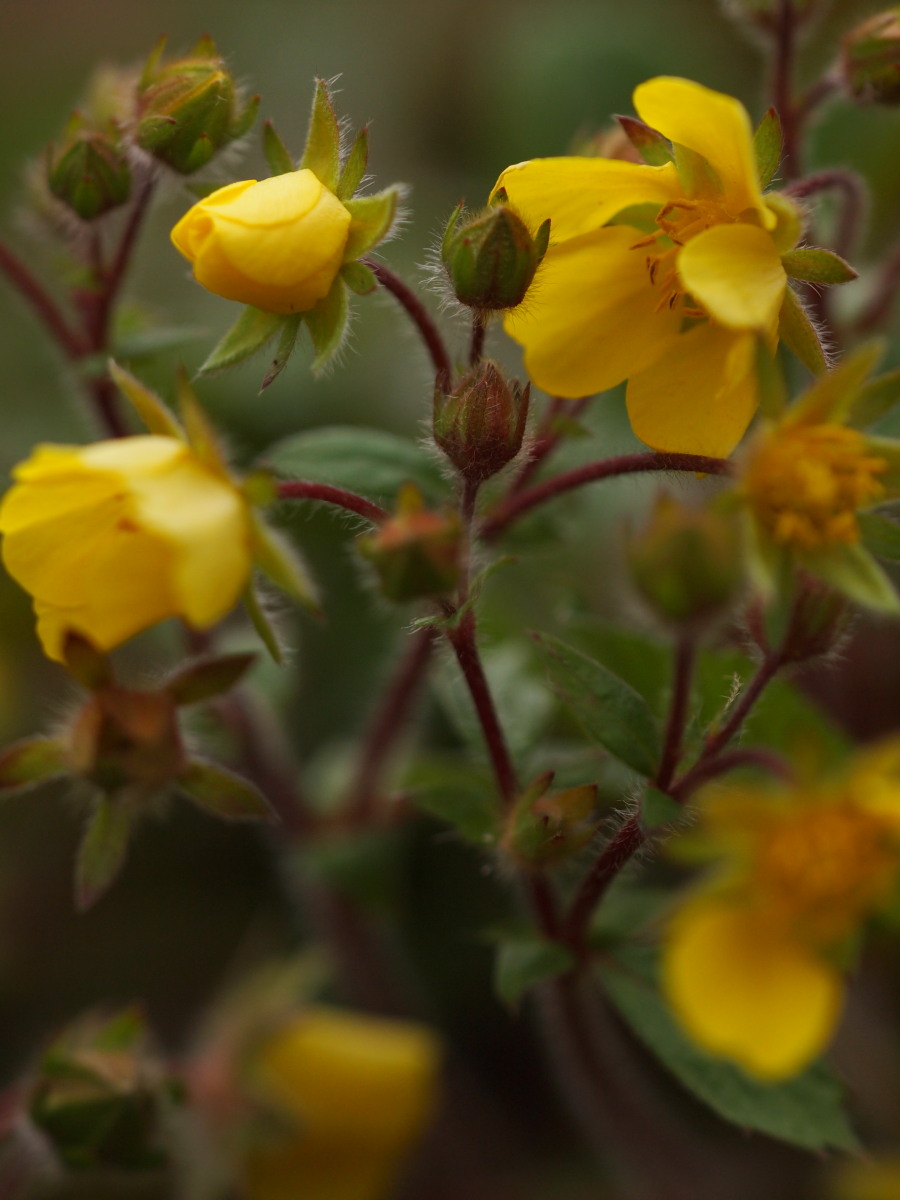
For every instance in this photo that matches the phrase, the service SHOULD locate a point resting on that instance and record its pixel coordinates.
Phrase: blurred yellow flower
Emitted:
(360, 1091)
(661, 275)
(751, 961)
(277, 244)
(114, 537)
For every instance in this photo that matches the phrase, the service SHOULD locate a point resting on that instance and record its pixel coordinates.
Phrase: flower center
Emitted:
(677, 222)
(822, 869)
(805, 484)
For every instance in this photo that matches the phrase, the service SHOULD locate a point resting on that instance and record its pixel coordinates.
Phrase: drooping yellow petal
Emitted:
(714, 126)
(590, 318)
(581, 194)
(744, 991)
(735, 273)
(700, 396)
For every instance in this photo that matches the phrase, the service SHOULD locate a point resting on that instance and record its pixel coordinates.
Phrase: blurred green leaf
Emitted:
(459, 794)
(223, 794)
(103, 849)
(523, 962)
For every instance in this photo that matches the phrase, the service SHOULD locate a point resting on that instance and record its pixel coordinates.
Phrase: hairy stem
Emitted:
(420, 317)
(298, 489)
(685, 655)
(41, 303)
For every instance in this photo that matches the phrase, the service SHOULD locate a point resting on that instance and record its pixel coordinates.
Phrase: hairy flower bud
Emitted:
(89, 173)
(548, 826)
(686, 562)
(415, 553)
(491, 259)
(481, 423)
(125, 738)
(870, 59)
(188, 110)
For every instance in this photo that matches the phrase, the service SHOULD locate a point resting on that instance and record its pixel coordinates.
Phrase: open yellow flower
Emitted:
(114, 537)
(751, 962)
(277, 244)
(360, 1091)
(661, 275)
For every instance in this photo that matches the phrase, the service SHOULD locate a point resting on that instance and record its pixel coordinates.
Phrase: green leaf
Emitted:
(524, 961)
(875, 400)
(248, 334)
(653, 148)
(767, 144)
(199, 681)
(355, 166)
(658, 809)
(462, 796)
(262, 624)
(797, 332)
(852, 571)
(277, 558)
(224, 794)
(277, 154)
(372, 218)
(31, 761)
(323, 139)
(369, 461)
(817, 266)
(327, 323)
(284, 349)
(628, 910)
(145, 343)
(154, 413)
(359, 278)
(880, 535)
(610, 712)
(806, 1111)
(103, 849)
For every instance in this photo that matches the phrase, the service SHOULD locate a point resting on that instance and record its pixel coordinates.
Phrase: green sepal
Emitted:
(522, 962)
(283, 351)
(277, 155)
(278, 559)
(199, 681)
(201, 433)
(327, 324)
(833, 394)
(697, 175)
(224, 794)
(322, 154)
(773, 391)
(797, 332)
(354, 166)
(609, 710)
(880, 535)
(371, 221)
(243, 122)
(31, 761)
(852, 571)
(249, 333)
(653, 148)
(149, 69)
(768, 143)
(103, 848)
(658, 809)
(259, 618)
(875, 400)
(359, 278)
(154, 413)
(816, 265)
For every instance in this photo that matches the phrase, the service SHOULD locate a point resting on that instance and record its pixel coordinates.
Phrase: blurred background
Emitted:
(455, 90)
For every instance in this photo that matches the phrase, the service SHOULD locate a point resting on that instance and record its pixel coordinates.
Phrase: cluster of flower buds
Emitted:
(89, 172)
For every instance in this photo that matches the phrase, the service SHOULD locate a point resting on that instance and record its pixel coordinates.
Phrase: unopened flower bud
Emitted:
(686, 562)
(491, 259)
(89, 173)
(870, 59)
(547, 826)
(481, 423)
(188, 109)
(811, 622)
(415, 552)
(124, 738)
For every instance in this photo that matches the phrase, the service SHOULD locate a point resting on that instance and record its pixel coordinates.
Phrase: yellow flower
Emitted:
(750, 963)
(277, 244)
(661, 275)
(114, 537)
(360, 1091)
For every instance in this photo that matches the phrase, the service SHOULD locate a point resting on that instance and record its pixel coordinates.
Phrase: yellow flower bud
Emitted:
(114, 537)
(277, 244)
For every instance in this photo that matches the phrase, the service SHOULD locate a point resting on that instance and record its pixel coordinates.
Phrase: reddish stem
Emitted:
(21, 278)
(616, 854)
(514, 506)
(420, 317)
(299, 489)
(476, 346)
(853, 211)
(678, 710)
(782, 88)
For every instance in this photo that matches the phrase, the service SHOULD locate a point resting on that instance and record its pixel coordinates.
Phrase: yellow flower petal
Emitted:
(714, 126)
(745, 992)
(699, 396)
(581, 194)
(735, 273)
(590, 317)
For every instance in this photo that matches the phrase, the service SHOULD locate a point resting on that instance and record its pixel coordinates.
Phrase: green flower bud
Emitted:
(89, 173)
(188, 110)
(870, 59)
(546, 826)
(481, 423)
(686, 562)
(491, 259)
(415, 552)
